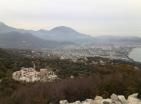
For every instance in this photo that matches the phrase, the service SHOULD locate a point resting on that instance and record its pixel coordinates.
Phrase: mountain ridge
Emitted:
(62, 34)
(58, 37)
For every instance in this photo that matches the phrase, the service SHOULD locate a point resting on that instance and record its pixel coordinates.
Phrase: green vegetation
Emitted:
(90, 79)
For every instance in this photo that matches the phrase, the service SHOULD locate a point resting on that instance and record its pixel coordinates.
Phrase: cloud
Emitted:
(96, 17)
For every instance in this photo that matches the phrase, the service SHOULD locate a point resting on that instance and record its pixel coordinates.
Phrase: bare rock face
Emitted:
(77, 102)
(115, 99)
(64, 102)
(88, 101)
(98, 100)
(122, 99)
(132, 99)
(106, 101)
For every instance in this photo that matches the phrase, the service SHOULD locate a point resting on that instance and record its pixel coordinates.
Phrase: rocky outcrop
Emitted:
(133, 99)
(114, 99)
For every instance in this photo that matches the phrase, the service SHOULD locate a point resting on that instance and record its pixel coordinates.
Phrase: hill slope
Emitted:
(24, 40)
(63, 34)
(19, 38)
(58, 37)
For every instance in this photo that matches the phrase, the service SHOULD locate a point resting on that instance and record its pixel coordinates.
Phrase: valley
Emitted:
(70, 51)
(62, 65)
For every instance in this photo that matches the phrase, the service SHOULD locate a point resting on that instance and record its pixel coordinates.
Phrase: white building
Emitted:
(31, 75)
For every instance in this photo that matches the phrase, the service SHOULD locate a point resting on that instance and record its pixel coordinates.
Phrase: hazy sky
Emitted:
(94, 17)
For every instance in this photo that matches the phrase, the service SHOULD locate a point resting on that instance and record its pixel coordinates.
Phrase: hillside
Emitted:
(58, 37)
(63, 34)
(5, 28)
(79, 80)
(18, 38)
(24, 40)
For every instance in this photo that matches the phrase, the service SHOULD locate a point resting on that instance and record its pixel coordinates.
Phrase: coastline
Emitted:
(132, 57)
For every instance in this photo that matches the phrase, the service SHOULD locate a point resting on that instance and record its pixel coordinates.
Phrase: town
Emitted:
(31, 75)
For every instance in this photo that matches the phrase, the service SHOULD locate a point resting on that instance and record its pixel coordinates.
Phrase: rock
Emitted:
(63, 102)
(115, 99)
(136, 68)
(132, 99)
(77, 102)
(106, 101)
(98, 100)
(71, 76)
(122, 99)
(88, 101)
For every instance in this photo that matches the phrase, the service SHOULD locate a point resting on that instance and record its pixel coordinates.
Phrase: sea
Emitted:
(135, 54)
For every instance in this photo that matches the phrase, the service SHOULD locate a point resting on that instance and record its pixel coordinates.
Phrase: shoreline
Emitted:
(132, 58)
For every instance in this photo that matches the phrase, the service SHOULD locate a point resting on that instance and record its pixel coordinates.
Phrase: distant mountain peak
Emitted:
(63, 29)
(2, 24)
(42, 30)
(5, 28)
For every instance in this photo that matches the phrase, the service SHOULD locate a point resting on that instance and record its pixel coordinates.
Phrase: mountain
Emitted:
(5, 28)
(63, 34)
(58, 37)
(59, 34)
(19, 38)
(15, 39)
(66, 34)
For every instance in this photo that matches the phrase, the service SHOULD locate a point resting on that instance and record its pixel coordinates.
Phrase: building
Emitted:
(31, 75)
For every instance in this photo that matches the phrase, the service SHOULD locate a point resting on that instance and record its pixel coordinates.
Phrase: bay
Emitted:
(135, 54)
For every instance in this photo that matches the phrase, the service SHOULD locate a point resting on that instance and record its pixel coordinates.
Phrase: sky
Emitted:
(93, 17)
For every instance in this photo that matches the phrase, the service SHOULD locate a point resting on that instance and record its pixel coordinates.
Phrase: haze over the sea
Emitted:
(94, 17)
(135, 54)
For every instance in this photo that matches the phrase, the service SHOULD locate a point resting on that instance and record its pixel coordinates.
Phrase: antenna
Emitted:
(34, 66)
